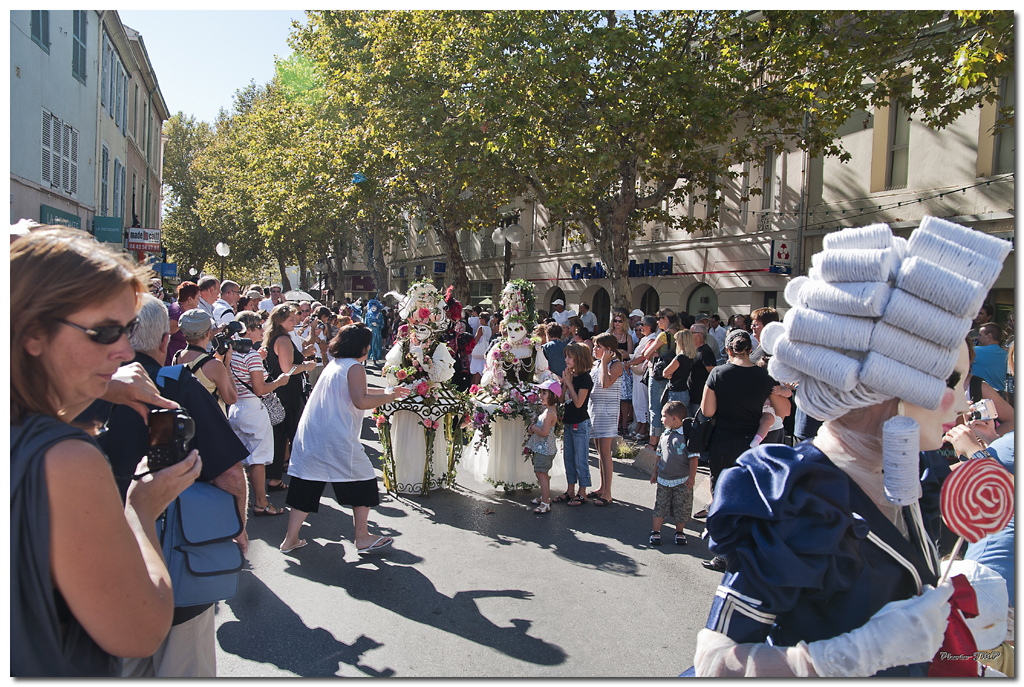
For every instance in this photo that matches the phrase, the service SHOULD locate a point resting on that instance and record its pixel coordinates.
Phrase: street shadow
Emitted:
(403, 589)
(268, 631)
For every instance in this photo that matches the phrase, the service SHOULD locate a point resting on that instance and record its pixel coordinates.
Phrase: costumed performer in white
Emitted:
(825, 558)
(417, 456)
(506, 399)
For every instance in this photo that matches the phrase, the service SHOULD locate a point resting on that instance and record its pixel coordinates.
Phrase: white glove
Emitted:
(901, 633)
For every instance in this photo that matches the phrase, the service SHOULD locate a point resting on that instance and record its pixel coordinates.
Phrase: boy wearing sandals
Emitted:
(674, 474)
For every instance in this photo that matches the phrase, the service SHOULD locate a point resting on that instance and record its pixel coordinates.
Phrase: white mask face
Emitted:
(516, 332)
(423, 331)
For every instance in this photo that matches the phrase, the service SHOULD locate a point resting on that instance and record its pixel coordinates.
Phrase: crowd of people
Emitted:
(278, 389)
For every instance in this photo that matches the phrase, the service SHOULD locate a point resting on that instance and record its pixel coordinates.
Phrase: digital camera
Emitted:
(220, 341)
(170, 437)
(983, 410)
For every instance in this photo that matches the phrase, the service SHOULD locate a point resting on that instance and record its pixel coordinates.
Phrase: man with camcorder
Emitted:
(190, 648)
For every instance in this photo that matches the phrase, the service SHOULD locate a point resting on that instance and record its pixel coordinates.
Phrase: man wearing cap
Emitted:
(560, 314)
(275, 298)
(224, 307)
(635, 318)
(589, 318)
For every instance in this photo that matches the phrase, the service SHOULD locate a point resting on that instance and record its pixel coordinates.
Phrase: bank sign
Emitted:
(636, 269)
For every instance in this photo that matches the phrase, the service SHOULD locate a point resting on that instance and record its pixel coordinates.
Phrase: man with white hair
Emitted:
(209, 292)
(224, 307)
(189, 650)
(275, 298)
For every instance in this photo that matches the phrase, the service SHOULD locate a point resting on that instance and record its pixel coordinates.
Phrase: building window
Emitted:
(135, 112)
(123, 175)
(112, 82)
(78, 45)
(117, 188)
(898, 160)
(1003, 164)
(104, 180)
(479, 290)
(135, 186)
(148, 200)
(40, 27)
(768, 182)
(103, 74)
(421, 236)
(124, 110)
(59, 154)
(439, 283)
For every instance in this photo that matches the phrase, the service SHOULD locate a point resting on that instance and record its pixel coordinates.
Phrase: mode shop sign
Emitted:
(636, 269)
(143, 239)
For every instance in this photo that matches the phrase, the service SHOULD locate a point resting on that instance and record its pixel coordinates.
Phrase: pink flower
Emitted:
(526, 451)
(424, 313)
(422, 388)
(401, 374)
(506, 346)
(506, 409)
(532, 398)
(427, 423)
(474, 389)
(403, 330)
(381, 420)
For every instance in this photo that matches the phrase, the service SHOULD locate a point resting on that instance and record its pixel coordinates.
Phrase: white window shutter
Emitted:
(66, 160)
(110, 83)
(55, 133)
(74, 162)
(117, 101)
(103, 80)
(117, 176)
(104, 180)
(46, 147)
(123, 175)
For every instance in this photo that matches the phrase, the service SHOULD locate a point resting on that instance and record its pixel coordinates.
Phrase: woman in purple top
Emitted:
(188, 298)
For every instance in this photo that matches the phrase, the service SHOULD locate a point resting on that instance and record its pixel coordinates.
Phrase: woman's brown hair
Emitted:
(56, 272)
(279, 314)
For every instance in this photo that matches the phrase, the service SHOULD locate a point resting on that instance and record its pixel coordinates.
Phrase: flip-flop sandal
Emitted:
(600, 501)
(277, 487)
(302, 542)
(564, 497)
(577, 501)
(379, 545)
(268, 510)
(594, 495)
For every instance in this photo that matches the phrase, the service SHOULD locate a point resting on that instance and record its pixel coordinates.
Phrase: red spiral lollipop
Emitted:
(977, 499)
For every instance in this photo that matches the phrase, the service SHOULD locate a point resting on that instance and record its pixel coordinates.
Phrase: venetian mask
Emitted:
(516, 332)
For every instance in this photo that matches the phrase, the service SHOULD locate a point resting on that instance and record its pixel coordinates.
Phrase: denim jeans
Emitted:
(681, 396)
(576, 453)
(657, 386)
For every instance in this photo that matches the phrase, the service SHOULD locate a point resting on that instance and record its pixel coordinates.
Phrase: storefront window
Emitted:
(650, 301)
(602, 309)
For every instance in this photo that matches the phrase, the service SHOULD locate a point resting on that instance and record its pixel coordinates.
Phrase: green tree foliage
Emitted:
(186, 239)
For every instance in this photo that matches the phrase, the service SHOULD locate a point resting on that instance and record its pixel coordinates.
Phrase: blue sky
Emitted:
(201, 57)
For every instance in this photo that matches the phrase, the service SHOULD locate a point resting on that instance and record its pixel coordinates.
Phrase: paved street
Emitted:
(475, 586)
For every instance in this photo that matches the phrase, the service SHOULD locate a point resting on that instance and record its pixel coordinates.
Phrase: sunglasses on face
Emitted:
(105, 335)
(617, 321)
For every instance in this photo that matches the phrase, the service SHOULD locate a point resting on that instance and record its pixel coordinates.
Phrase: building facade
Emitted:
(900, 172)
(54, 95)
(86, 121)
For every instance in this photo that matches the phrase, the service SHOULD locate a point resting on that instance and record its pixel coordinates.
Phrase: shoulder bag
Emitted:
(271, 402)
(698, 431)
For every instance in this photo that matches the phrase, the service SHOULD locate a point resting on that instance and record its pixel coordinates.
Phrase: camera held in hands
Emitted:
(982, 411)
(243, 346)
(221, 341)
(170, 436)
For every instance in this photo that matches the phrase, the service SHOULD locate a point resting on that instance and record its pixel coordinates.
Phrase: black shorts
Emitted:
(304, 495)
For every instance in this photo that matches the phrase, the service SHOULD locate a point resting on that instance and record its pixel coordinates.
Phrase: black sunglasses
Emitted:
(617, 321)
(106, 335)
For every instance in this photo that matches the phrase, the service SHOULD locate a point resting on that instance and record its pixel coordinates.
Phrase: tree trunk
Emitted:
(373, 256)
(456, 265)
(618, 268)
(285, 284)
(303, 276)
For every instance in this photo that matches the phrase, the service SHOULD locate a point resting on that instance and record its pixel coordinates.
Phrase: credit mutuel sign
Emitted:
(636, 269)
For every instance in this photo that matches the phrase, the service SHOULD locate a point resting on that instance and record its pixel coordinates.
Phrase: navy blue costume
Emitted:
(809, 554)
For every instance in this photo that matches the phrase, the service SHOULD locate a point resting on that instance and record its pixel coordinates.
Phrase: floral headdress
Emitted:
(518, 303)
(422, 304)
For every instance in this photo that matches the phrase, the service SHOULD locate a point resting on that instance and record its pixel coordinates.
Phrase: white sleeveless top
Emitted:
(326, 447)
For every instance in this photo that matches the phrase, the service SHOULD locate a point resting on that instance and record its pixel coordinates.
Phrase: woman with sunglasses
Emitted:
(659, 349)
(620, 330)
(91, 583)
(249, 417)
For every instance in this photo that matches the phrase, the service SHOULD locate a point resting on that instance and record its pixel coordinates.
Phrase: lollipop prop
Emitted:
(977, 500)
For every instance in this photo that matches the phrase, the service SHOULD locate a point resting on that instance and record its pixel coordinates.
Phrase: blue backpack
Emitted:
(196, 535)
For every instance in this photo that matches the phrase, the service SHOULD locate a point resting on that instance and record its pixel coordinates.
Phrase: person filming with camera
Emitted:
(248, 416)
(211, 369)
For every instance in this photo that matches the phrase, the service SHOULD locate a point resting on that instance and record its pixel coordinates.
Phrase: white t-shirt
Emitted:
(563, 317)
(480, 349)
(474, 322)
(266, 305)
(222, 312)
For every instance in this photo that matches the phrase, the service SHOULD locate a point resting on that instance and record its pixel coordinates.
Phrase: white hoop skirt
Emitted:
(500, 461)
(409, 444)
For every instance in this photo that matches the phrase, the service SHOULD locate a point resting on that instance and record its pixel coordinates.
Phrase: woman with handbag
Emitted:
(283, 356)
(249, 416)
(637, 366)
(734, 396)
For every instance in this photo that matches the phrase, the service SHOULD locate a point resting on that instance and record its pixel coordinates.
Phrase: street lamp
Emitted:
(223, 250)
